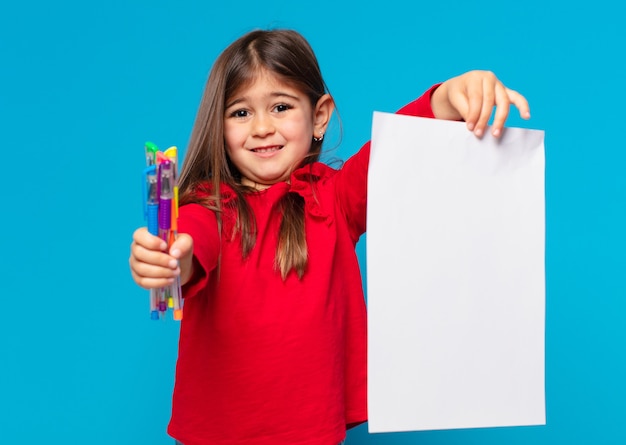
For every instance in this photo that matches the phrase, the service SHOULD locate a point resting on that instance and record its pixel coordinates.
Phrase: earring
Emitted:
(319, 139)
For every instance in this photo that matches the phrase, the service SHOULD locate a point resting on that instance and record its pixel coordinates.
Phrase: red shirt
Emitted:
(266, 361)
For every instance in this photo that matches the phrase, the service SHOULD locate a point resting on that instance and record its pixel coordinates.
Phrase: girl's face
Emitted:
(268, 129)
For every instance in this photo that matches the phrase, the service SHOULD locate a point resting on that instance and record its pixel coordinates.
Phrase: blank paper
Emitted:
(455, 276)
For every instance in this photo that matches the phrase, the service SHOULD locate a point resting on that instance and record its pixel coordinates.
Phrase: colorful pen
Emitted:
(166, 195)
(161, 213)
(176, 291)
(151, 215)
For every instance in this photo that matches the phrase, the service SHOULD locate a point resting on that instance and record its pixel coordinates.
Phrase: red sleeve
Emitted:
(351, 191)
(201, 224)
(351, 185)
(421, 106)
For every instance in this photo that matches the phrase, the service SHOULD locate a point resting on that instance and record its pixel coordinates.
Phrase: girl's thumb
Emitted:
(182, 247)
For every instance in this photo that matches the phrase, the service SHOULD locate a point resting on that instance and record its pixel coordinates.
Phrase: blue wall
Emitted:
(83, 85)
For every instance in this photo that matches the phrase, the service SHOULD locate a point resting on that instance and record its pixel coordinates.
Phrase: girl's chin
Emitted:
(262, 183)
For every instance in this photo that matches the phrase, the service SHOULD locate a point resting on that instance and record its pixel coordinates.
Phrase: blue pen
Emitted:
(151, 208)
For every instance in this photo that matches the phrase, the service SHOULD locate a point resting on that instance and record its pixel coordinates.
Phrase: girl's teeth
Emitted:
(265, 150)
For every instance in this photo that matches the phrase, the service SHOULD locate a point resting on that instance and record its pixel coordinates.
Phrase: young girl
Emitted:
(273, 341)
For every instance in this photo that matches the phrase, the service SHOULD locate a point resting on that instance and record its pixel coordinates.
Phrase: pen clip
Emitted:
(149, 188)
(165, 178)
(172, 154)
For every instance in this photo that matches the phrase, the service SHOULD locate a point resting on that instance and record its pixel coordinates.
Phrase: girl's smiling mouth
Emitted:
(268, 149)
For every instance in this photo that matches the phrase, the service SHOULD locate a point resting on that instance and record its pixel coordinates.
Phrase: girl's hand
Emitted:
(152, 266)
(472, 96)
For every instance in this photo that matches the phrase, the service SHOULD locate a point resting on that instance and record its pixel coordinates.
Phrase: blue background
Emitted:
(84, 84)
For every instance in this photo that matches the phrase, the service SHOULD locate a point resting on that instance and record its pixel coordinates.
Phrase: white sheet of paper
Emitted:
(455, 276)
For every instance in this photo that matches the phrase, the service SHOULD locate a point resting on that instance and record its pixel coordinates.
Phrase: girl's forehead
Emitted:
(264, 78)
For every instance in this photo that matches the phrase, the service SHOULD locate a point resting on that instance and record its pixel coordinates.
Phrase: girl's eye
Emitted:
(282, 107)
(239, 113)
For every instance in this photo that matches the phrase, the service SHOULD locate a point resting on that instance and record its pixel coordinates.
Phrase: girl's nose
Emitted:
(262, 125)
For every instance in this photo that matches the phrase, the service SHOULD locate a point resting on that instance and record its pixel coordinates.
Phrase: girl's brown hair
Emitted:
(288, 55)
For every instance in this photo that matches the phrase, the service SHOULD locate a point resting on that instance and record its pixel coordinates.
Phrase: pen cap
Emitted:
(171, 153)
(151, 153)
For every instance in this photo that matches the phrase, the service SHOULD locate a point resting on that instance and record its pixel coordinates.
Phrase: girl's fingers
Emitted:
(474, 96)
(151, 267)
(151, 275)
(520, 103)
(503, 104)
(487, 101)
(154, 257)
(151, 282)
(506, 97)
(144, 238)
(478, 87)
(157, 260)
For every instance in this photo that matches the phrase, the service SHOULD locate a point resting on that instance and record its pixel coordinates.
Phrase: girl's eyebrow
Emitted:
(273, 94)
(283, 94)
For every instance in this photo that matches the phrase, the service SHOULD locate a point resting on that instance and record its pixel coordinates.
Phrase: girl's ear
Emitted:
(322, 113)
